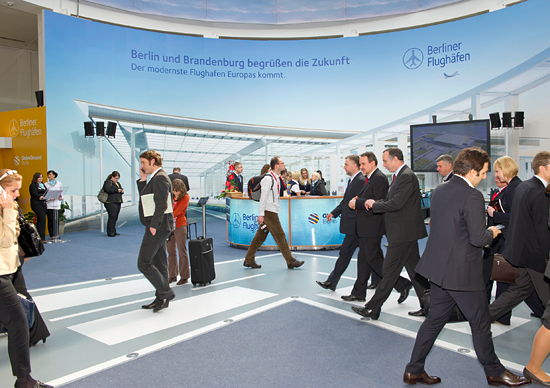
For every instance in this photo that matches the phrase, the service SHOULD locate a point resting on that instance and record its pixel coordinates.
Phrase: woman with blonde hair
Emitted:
(178, 238)
(305, 182)
(12, 315)
(293, 187)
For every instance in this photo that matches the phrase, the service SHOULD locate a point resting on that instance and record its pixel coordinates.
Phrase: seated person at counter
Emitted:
(318, 187)
(305, 182)
(293, 187)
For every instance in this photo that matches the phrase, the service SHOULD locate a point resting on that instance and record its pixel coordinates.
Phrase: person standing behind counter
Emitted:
(38, 203)
(53, 204)
(12, 315)
(114, 201)
(318, 186)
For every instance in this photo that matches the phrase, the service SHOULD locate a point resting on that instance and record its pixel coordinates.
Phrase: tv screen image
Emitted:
(429, 141)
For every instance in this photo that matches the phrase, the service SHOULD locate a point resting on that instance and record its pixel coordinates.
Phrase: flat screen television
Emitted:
(428, 141)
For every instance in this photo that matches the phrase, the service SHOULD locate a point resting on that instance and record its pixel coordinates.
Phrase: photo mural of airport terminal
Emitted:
(315, 91)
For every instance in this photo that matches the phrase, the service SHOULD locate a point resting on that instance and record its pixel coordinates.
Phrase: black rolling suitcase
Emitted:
(201, 258)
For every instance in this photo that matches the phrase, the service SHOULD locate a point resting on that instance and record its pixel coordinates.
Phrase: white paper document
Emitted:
(53, 193)
(148, 205)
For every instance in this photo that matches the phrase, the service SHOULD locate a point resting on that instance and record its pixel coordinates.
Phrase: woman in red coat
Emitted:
(178, 238)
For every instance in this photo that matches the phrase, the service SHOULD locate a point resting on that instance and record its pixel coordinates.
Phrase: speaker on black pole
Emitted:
(88, 129)
(39, 98)
(100, 128)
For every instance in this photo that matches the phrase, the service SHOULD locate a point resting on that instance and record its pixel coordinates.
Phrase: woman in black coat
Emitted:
(114, 201)
(38, 203)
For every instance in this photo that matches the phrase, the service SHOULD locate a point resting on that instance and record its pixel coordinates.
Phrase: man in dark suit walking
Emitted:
(452, 261)
(528, 240)
(155, 212)
(370, 229)
(176, 174)
(404, 227)
(347, 222)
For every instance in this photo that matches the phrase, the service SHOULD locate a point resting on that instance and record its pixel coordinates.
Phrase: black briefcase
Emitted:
(201, 258)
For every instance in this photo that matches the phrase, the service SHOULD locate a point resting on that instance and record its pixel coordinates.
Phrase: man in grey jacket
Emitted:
(155, 212)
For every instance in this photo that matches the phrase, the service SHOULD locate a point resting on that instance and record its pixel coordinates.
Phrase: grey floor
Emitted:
(90, 294)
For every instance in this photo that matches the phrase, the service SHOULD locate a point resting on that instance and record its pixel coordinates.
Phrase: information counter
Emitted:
(304, 220)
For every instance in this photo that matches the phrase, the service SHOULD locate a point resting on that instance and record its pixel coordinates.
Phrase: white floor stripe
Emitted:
(101, 309)
(72, 298)
(83, 283)
(343, 277)
(122, 224)
(227, 282)
(161, 345)
(124, 327)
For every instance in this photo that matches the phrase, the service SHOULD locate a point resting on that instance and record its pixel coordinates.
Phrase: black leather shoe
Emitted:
(352, 298)
(423, 378)
(372, 286)
(419, 313)
(251, 264)
(117, 234)
(508, 379)
(164, 304)
(151, 305)
(294, 263)
(37, 384)
(531, 376)
(326, 285)
(404, 295)
(366, 312)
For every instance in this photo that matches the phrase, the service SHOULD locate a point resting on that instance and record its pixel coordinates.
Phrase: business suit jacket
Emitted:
(161, 188)
(453, 258)
(506, 198)
(528, 240)
(175, 175)
(347, 221)
(451, 174)
(368, 223)
(402, 209)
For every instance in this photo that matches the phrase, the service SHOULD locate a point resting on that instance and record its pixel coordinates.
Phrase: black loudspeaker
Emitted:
(495, 120)
(88, 129)
(39, 98)
(506, 119)
(518, 120)
(99, 128)
(111, 129)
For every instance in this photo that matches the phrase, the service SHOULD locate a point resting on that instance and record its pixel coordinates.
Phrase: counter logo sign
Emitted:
(313, 218)
(14, 128)
(16, 160)
(413, 58)
(236, 221)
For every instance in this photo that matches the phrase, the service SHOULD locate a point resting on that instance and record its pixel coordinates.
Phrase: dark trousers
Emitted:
(473, 305)
(39, 208)
(152, 262)
(371, 258)
(51, 215)
(113, 209)
(527, 281)
(271, 220)
(349, 245)
(12, 316)
(398, 256)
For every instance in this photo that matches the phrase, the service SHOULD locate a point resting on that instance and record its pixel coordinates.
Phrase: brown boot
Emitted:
(251, 264)
(294, 263)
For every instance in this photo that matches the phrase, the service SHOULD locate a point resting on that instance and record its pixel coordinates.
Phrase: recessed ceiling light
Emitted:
(10, 4)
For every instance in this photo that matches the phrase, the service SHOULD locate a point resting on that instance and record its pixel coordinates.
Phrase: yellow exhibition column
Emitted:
(28, 154)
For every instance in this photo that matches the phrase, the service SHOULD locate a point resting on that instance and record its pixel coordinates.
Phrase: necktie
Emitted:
(366, 180)
(393, 178)
(349, 180)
